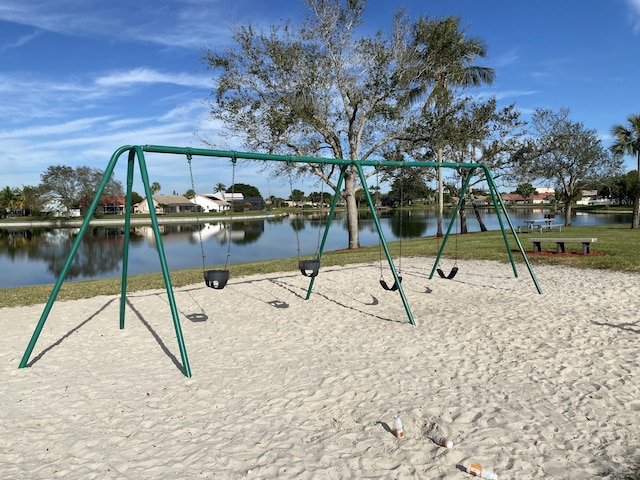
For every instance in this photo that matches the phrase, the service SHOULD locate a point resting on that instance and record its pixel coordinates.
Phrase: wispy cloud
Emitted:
(20, 41)
(506, 94)
(148, 76)
(507, 58)
(187, 24)
(634, 13)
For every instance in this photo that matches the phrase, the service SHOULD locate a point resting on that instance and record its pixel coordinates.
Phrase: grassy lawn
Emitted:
(617, 249)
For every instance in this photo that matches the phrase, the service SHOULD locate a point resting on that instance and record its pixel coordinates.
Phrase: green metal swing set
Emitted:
(137, 152)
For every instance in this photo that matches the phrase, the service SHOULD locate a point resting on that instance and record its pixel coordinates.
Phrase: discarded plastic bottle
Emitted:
(397, 427)
(478, 471)
(442, 441)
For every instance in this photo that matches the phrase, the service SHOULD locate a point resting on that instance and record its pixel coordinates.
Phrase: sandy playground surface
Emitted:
(532, 386)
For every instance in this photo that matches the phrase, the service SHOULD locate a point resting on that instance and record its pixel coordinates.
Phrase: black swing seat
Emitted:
(309, 268)
(216, 278)
(452, 273)
(392, 288)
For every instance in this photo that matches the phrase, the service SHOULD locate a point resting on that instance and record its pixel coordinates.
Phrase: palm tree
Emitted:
(627, 142)
(8, 199)
(155, 188)
(445, 61)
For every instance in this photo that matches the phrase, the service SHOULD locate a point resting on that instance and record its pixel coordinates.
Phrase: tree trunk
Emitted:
(567, 212)
(440, 196)
(463, 218)
(352, 209)
(476, 210)
(635, 221)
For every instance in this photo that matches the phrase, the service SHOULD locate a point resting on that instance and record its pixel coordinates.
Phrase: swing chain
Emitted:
(234, 160)
(198, 226)
(289, 170)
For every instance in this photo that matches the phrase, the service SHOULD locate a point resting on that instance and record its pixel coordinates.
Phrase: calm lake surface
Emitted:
(36, 256)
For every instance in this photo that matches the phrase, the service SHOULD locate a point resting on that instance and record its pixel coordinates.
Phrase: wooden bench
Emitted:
(586, 243)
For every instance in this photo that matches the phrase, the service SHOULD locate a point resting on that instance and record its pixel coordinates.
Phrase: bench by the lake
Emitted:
(586, 243)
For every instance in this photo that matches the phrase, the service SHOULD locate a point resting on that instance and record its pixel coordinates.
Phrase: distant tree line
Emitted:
(67, 187)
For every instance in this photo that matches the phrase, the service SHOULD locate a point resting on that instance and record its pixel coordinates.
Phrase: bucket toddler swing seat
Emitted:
(216, 278)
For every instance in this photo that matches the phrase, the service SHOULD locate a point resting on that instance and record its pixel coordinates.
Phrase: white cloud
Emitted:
(501, 95)
(20, 41)
(634, 14)
(149, 76)
(507, 58)
(71, 127)
(171, 23)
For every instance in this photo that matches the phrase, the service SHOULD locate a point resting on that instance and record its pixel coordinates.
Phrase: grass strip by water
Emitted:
(616, 249)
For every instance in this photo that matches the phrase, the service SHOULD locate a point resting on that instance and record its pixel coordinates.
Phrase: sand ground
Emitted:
(532, 386)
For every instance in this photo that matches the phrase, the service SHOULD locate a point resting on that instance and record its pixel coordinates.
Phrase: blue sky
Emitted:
(80, 78)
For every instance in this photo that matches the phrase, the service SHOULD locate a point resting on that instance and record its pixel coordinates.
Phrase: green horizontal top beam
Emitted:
(233, 155)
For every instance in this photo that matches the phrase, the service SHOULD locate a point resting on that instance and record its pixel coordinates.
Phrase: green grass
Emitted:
(616, 249)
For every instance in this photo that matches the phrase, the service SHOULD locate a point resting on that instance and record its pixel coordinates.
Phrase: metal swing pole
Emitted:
(72, 253)
(385, 247)
(334, 202)
(127, 235)
(451, 223)
(497, 200)
(163, 262)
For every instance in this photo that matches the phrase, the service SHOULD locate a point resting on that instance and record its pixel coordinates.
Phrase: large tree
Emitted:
(568, 154)
(446, 63)
(320, 90)
(476, 131)
(75, 187)
(627, 142)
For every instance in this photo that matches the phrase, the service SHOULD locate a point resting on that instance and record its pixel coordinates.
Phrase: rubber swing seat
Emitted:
(392, 288)
(309, 268)
(216, 278)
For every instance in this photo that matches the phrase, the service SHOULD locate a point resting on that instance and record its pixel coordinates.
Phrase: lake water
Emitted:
(36, 256)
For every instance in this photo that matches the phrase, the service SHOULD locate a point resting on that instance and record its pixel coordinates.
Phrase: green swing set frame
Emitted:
(137, 152)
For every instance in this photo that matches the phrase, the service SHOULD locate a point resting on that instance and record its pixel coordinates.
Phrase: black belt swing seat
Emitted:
(383, 283)
(391, 288)
(309, 267)
(454, 270)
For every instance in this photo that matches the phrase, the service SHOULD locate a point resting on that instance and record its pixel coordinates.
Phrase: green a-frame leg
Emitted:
(134, 151)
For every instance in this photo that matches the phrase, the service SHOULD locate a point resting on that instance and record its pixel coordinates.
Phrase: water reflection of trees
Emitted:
(405, 224)
(16, 244)
(249, 232)
(402, 223)
(99, 252)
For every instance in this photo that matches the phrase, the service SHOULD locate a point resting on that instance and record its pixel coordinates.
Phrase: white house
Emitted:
(165, 204)
(212, 202)
(55, 208)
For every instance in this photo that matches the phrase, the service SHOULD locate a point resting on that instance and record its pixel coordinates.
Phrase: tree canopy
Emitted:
(74, 188)
(244, 189)
(568, 154)
(627, 142)
(323, 89)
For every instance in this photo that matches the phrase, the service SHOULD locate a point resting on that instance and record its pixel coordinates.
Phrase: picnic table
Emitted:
(545, 224)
